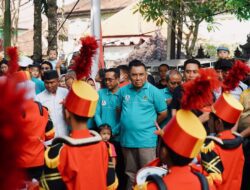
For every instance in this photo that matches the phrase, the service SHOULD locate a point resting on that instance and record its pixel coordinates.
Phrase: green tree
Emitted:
(189, 14)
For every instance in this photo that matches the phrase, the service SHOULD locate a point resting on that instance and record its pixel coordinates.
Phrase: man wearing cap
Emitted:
(141, 105)
(222, 155)
(53, 98)
(179, 144)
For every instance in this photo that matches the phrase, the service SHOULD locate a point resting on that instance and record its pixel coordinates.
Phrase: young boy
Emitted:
(78, 162)
(35, 71)
(180, 142)
(52, 57)
(222, 155)
(223, 52)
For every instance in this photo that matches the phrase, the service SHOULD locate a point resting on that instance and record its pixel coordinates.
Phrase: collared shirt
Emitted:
(235, 92)
(167, 95)
(139, 110)
(55, 107)
(39, 85)
(106, 111)
(124, 84)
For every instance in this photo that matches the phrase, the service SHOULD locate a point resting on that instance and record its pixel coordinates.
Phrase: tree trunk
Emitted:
(188, 36)
(52, 25)
(173, 32)
(7, 25)
(37, 38)
(16, 21)
(194, 39)
(179, 34)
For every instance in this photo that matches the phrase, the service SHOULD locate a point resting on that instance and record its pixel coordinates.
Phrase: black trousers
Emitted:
(120, 166)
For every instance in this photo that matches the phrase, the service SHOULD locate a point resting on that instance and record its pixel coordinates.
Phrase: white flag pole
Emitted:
(96, 31)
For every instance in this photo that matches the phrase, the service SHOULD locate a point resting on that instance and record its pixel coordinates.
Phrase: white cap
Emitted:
(25, 61)
(30, 88)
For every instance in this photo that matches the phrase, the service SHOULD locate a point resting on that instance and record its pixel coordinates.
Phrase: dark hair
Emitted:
(4, 61)
(35, 64)
(163, 65)
(177, 159)
(47, 63)
(226, 125)
(101, 73)
(191, 61)
(104, 126)
(53, 50)
(79, 118)
(124, 68)
(135, 63)
(151, 79)
(115, 71)
(223, 64)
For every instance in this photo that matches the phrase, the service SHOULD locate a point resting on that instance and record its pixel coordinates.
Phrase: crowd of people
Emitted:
(105, 132)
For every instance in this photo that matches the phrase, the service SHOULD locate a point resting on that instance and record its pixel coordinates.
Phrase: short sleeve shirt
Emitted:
(106, 111)
(139, 110)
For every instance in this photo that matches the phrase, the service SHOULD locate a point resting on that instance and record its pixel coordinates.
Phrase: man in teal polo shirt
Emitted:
(174, 79)
(106, 112)
(141, 105)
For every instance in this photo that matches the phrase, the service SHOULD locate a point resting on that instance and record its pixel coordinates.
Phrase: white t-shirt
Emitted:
(55, 107)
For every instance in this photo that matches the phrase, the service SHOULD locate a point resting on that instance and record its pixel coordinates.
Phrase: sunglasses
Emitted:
(175, 83)
(45, 68)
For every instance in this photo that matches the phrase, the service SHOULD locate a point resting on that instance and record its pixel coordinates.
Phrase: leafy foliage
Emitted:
(191, 13)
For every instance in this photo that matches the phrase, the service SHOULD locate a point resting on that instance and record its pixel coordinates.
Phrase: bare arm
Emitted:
(161, 116)
(173, 112)
(204, 117)
(246, 132)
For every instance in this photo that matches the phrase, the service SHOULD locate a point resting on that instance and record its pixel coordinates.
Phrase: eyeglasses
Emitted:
(45, 68)
(109, 80)
(175, 83)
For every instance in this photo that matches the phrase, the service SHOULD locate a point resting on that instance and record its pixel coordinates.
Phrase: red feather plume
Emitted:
(11, 134)
(83, 61)
(198, 92)
(13, 59)
(238, 73)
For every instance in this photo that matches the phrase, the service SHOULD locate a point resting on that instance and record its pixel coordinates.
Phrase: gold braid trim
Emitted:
(141, 187)
(51, 162)
(114, 185)
(207, 148)
(214, 178)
